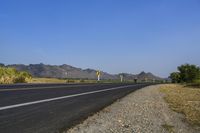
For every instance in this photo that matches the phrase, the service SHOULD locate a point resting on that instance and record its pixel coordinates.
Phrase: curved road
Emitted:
(50, 108)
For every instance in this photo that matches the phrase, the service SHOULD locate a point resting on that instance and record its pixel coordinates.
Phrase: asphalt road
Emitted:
(50, 108)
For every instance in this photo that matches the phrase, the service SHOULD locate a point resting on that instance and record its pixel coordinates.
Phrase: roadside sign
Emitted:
(121, 77)
(98, 73)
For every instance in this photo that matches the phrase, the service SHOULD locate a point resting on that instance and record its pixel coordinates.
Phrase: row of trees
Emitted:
(11, 75)
(186, 74)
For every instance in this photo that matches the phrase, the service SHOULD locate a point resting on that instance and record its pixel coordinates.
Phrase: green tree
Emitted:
(189, 73)
(175, 77)
(2, 65)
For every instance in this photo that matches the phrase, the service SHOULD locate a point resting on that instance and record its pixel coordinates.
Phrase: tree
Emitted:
(2, 65)
(189, 73)
(175, 77)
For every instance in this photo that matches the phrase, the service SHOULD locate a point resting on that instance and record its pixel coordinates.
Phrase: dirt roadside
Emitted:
(143, 111)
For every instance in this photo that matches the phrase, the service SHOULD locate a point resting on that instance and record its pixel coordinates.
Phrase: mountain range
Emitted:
(67, 71)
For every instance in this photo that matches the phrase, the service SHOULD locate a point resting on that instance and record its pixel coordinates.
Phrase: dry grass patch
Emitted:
(47, 80)
(169, 128)
(55, 80)
(184, 100)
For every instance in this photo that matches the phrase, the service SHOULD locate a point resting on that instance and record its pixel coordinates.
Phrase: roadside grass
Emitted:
(196, 84)
(46, 80)
(193, 85)
(168, 128)
(55, 80)
(185, 100)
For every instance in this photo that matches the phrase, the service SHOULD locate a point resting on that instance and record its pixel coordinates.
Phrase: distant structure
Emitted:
(121, 77)
(98, 73)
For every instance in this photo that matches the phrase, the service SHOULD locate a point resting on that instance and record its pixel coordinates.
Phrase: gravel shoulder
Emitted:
(143, 111)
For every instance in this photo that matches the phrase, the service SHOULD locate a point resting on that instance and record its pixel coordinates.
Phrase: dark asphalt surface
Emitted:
(58, 115)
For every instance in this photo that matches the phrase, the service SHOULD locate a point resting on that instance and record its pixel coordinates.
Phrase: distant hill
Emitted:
(141, 76)
(62, 71)
(147, 76)
(67, 71)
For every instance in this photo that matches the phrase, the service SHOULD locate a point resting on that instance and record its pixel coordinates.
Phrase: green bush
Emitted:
(19, 79)
(175, 77)
(186, 74)
(11, 75)
(189, 73)
(82, 80)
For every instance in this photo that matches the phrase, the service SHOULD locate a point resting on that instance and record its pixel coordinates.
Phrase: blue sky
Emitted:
(111, 35)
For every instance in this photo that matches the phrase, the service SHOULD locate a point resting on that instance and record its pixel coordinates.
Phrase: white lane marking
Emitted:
(59, 98)
(37, 88)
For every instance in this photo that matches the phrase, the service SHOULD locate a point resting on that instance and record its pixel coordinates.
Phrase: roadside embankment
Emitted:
(185, 100)
(143, 111)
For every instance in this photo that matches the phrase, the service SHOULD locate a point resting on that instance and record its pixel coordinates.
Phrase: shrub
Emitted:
(82, 80)
(187, 74)
(175, 77)
(11, 75)
(70, 81)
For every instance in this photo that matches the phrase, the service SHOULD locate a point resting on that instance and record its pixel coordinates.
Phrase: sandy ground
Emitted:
(143, 111)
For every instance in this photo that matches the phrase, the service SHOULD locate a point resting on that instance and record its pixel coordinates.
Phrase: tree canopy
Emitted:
(186, 73)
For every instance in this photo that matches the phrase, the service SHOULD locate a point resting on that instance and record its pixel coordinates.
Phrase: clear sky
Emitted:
(111, 35)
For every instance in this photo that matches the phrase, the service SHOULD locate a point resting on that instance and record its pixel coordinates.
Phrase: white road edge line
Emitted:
(59, 98)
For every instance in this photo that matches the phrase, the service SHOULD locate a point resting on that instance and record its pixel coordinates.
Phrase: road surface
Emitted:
(50, 108)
